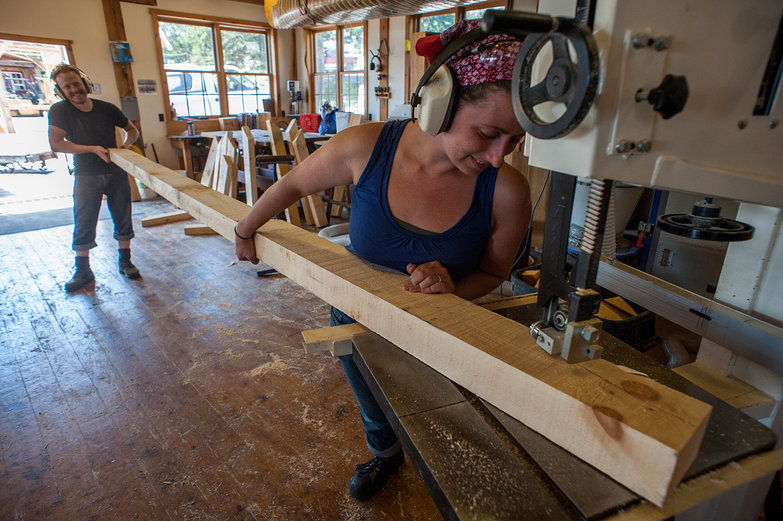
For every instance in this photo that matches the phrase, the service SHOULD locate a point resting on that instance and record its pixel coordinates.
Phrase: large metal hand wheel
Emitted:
(570, 81)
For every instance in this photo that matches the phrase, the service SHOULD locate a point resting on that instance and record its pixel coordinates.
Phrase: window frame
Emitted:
(413, 25)
(312, 74)
(215, 24)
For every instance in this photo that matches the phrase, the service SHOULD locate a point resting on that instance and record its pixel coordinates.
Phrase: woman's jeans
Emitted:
(380, 437)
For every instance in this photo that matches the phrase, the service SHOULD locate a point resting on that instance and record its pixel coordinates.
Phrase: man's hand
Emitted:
(430, 277)
(101, 152)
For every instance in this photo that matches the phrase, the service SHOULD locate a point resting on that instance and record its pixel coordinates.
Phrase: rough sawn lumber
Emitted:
(338, 340)
(639, 432)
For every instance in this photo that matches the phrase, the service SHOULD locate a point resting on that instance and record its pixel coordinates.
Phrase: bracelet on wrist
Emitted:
(239, 236)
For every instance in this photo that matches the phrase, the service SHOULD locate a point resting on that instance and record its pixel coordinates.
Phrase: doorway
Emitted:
(35, 184)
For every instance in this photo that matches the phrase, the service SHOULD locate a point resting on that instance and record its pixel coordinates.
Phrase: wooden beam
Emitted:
(641, 433)
(335, 339)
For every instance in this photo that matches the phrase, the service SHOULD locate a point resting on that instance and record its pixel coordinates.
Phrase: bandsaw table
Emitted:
(479, 463)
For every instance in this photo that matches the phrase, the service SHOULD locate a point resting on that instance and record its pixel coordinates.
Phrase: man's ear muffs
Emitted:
(437, 94)
(85, 80)
(375, 63)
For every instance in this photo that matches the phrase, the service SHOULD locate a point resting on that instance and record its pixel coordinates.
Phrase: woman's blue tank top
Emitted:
(378, 238)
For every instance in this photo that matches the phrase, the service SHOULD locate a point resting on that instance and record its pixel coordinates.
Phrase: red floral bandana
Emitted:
(485, 61)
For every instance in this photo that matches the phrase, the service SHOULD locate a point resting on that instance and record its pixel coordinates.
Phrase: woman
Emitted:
(445, 209)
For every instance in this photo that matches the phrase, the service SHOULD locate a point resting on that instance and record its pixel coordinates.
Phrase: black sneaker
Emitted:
(371, 476)
(81, 277)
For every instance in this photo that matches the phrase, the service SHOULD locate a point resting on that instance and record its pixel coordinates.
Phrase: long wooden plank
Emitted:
(166, 218)
(639, 432)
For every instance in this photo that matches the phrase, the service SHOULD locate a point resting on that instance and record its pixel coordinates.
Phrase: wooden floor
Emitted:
(182, 396)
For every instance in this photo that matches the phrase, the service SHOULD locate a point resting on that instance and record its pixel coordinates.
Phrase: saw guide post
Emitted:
(639, 432)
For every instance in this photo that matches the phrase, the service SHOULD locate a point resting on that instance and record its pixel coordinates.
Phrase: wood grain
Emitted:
(639, 432)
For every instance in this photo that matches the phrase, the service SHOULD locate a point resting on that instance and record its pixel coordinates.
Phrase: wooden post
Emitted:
(123, 74)
(638, 431)
(383, 103)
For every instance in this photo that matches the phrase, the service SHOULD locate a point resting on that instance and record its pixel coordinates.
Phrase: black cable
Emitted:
(524, 248)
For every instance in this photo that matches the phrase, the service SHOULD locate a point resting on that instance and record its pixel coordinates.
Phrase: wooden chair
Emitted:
(249, 164)
(220, 174)
(225, 178)
(229, 123)
(277, 145)
(340, 200)
(263, 117)
(354, 119)
(269, 106)
(281, 122)
(312, 205)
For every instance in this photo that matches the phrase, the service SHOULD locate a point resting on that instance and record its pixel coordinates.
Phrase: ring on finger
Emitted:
(440, 279)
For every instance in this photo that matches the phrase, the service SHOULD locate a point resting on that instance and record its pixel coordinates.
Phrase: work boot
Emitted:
(126, 266)
(371, 476)
(83, 275)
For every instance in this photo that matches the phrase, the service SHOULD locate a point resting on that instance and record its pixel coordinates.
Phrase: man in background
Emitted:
(84, 127)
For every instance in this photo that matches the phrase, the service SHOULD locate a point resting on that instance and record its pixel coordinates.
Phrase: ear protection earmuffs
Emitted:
(375, 63)
(85, 80)
(437, 93)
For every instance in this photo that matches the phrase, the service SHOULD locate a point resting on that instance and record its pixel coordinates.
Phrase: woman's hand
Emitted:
(430, 277)
(245, 247)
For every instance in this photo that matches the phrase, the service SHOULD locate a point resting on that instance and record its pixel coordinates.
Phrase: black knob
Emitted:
(669, 97)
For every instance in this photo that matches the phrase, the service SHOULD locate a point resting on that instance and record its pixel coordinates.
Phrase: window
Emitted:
(437, 22)
(15, 80)
(214, 68)
(339, 75)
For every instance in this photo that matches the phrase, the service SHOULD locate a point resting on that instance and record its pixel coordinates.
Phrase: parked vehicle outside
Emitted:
(194, 92)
